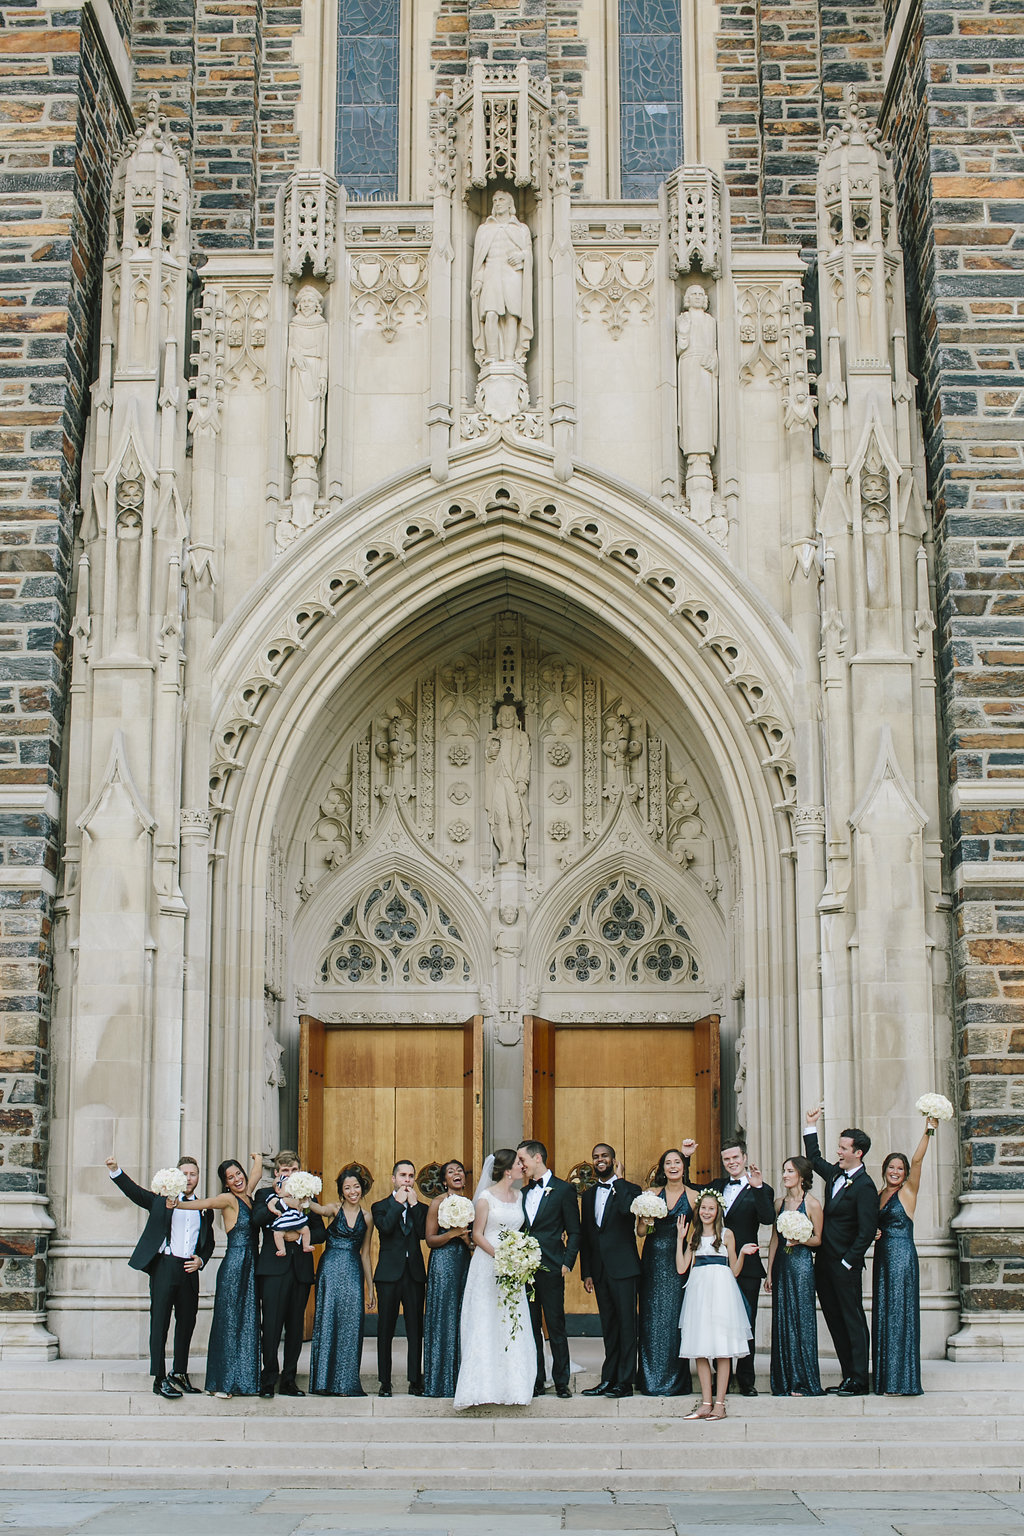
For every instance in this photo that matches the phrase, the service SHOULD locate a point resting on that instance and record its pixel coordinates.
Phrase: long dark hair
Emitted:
(659, 1178)
(805, 1170)
(222, 1172)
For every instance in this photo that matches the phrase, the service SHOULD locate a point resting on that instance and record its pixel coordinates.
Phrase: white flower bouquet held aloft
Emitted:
(648, 1206)
(169, 1182)
(516, 1261)
(794, 1227)
(455, 1211)
(302, 1187)
(935, 1105)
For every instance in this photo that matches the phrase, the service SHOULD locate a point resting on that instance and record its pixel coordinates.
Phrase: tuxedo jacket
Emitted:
(398, 1248)
(294, 1262)
(157, 1230)
(556, 1226)
(851, 1216)
(612, 1245)
(751, 1210)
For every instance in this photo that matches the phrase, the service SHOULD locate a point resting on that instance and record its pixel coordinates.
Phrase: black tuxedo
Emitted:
(283, 1282)
(851, 1220)
(400, 1280)
(751, 1210)
(556, 1227)
(609, 1257)
(171, 1290)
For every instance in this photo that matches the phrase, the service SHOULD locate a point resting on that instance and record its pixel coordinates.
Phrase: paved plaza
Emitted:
(307, 1512)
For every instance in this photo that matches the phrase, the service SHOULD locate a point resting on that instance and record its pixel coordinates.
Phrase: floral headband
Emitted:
(711, 1194)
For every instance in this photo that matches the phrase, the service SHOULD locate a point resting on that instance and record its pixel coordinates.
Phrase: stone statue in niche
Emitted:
(396, 748)
(697, 351)
(501, 297)
(273, 1081)
(306, 400)
(129, 562)
(507, 760)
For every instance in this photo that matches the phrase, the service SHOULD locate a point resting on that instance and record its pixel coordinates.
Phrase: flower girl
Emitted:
(713, 1323)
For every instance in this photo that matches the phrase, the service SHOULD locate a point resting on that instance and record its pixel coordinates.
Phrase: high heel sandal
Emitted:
(700, 1411)
(718, 1411)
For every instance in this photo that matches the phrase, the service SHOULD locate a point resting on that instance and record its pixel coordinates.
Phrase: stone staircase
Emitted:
(97, 1425)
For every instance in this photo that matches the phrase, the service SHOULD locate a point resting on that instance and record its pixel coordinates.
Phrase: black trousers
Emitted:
(406, 1294)
(171, 1290)
(750, 1289)
(616, 1302)
(549, 1301)
(282, 1310)
(840, 1291)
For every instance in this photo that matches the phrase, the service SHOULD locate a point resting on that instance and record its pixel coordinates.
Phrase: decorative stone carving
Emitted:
(506, 118)
(623, 933)
(507, 754)
(330, 841)
(684, 827)
(695, 220)
(442, 140)
(310, 216)
(623, 743)
(208, 362)
(394, 933)
(615, 287)
(389, 292)
(246, 311)
(501, 295)
(306, 401)
(697, 349)
(559, 754)
(395, 746)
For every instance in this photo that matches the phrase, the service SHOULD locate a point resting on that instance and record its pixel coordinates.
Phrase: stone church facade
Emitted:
(510, 525)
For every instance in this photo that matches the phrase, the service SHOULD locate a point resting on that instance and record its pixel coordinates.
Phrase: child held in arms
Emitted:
(290, 1210)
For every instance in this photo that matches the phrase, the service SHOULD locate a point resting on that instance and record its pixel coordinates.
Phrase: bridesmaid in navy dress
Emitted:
(790, 1283)
(342, 1274)
(450, 1253)
(661, 1373)
(233, 1354)
(896, 1279)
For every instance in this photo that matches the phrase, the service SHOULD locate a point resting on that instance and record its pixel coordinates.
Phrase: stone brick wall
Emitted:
(58, 121)
(229, 44)
(956, 119)
(280, 90)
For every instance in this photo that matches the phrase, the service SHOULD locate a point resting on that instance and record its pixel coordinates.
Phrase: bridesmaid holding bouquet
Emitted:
(790, 1283)
(896, 1278)
(661, 1372)
(450, 1252)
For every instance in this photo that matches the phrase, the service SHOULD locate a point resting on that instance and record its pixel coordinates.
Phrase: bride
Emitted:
(495, 1368)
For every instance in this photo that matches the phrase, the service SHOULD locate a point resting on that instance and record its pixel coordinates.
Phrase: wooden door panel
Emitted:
(428, 1123)
(581, 1120)
(539, 1080)
(473, 1097)
(362, 1056)
(589, 1058)
(654, 1118)
(426, 1058)
(312, 1072)
(360, 1124)
(708, 1080)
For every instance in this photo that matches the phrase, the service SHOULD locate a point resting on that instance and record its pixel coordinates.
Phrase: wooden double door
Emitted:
(639, 1087)
(374, 1093)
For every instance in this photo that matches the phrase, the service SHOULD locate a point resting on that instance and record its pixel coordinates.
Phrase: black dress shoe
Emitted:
(290, 1390)
(383, 1391)
(747, 1391)
(163, 1387)
(180, 1380)
(539, 1391)
(835, 1391)
(852, 1389)
(562, 1392)
(619, 1392)
(600, 1391)
(417, 1390)
(266, 1391)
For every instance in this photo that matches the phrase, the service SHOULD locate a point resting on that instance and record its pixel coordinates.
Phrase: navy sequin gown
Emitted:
(896, 1304)
(446, 1281)
(233, 1356)
(794, 1322)
(661, 1373)
(337, 1348)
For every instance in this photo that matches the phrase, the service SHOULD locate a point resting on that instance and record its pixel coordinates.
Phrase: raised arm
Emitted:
(913, 1183)
(684, 1253)
(811, 1147)
(128, 1186)
(255, 1174)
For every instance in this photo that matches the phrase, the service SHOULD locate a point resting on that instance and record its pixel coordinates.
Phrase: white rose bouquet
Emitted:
(648, 1206)
(935, 1105)
(455, 1211)
(516, 1261)
(169, 1182)
(794, 1227)
(302, 1187)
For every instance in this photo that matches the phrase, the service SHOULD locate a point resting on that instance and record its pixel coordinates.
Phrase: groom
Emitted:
(553, 1218)
(851, 1217)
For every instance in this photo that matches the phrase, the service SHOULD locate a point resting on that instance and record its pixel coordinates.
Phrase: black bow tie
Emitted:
(730, 1182)
(533, 1184)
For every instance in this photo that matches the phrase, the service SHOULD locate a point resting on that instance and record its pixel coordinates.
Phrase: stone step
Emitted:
(693, 1477)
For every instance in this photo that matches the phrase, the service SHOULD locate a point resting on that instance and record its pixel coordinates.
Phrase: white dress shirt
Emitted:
(531, 1203)
(733, 1188)
(184, 1229)
(601, 1200)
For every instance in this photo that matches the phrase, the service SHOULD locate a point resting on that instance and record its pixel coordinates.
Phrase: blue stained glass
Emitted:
(366, 154)
(650, 94)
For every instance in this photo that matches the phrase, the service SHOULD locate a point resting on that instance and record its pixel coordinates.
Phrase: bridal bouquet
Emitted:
(794, 1227)
(936, 1105)
(302, 1187)
(455, 1211)
(648, 1206)
(516, 1261)
(169, 1182)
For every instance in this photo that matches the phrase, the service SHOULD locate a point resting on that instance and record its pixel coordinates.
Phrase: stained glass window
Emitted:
(650, 94)
(366, 138)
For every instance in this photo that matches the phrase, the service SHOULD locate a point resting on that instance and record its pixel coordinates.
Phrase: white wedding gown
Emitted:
(494, 1368)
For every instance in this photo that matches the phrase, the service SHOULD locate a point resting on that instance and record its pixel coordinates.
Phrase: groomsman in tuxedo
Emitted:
(400, 1278)
(851, 1219)
(284, 1282)
(174, 1246)
(553, 1218)
(749, 1205)
(610, 1266)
